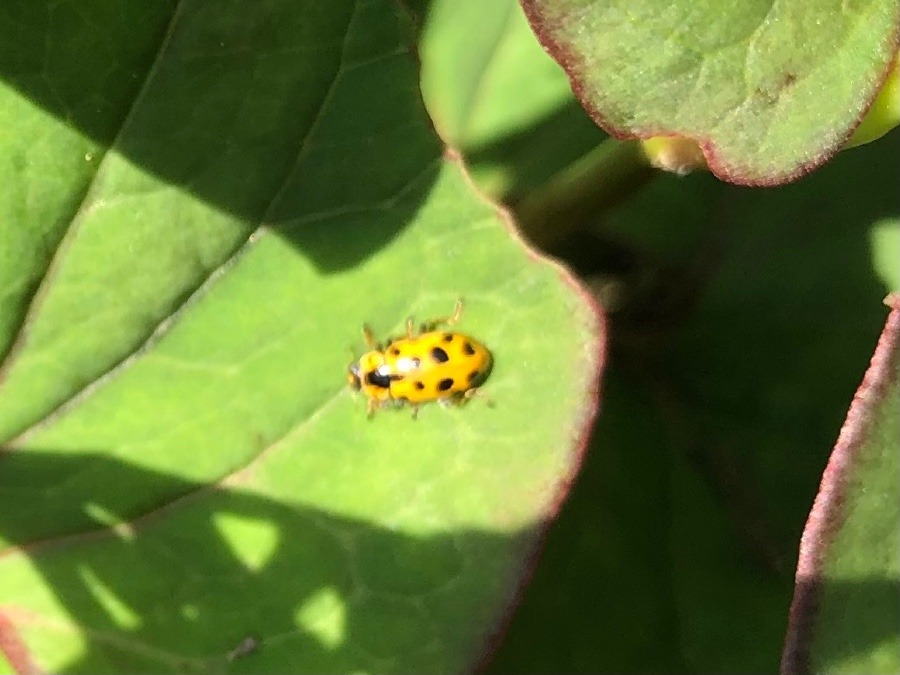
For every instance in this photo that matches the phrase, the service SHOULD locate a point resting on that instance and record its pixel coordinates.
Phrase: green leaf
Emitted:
(203, 204)
(497, 96)
(769, 90)
(846, 606)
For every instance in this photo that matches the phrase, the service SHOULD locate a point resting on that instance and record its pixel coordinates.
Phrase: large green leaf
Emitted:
(846, 607)
(770, 90)
(202, 205)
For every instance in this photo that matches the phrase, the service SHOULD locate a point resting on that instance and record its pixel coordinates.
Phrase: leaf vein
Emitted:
(163, 327)
(42, 287)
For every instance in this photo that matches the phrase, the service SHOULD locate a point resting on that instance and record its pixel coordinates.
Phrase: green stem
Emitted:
(578, 193)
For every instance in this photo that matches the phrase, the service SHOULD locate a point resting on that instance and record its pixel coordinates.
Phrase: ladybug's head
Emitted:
(353, 376)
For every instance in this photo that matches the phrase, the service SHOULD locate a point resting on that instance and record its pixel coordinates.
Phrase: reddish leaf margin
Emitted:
(570, 62)
(828, 511)
(14, 649)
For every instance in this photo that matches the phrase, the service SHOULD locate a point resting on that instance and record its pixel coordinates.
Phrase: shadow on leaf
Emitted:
(225, 579)
(276, 113)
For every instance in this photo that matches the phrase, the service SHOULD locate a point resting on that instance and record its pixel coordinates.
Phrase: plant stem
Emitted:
(578, 193)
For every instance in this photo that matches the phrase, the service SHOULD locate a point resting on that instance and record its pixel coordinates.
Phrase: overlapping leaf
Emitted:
(846, 606)
(770, 90)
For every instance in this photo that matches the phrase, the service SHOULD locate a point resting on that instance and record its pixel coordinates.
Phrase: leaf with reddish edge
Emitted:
(13, 649)
(846, 607)
(769, 91)
(202, 204)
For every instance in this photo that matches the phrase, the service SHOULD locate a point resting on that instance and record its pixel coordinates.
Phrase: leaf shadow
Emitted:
(272, 113)
(222, 579)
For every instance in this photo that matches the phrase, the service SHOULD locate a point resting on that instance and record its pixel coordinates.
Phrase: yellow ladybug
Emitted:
(434, 365)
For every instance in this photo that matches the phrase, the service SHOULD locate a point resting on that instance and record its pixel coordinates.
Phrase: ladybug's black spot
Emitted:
(376, 379)
(395, 351)
(445, 384)
(416, 361)
(419, 386)
(474, 375)
(439, 355)
(448, 337)
(395, 377)
(468, 349)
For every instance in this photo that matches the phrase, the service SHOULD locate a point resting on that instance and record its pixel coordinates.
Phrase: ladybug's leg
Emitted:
(370, 340)
(456, 399)
(445, 320)
(371, 407)
(457, 312)
(415, 410)
(410, 328)
(469, 394)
